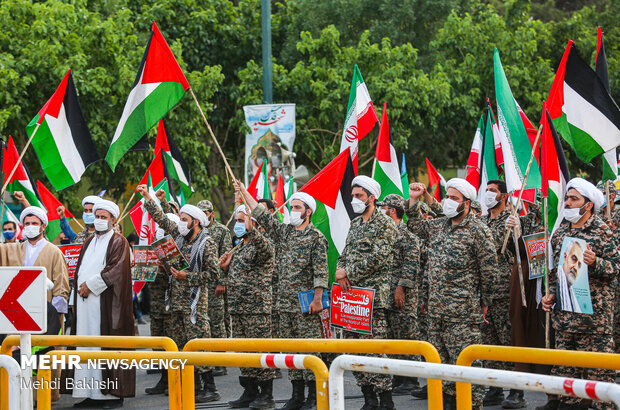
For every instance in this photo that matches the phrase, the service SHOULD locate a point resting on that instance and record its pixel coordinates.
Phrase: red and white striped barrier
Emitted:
(283, 361)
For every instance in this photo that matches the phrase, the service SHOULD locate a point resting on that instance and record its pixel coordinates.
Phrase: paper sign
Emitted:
(573, 290)
(72, 254)
(145, 264)
(352, 311)
(535, 246)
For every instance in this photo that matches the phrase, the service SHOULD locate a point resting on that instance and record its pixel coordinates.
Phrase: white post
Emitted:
(25, 345)
(12, 368)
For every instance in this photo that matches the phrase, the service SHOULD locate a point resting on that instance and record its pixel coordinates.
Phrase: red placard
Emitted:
(352, 311)
(72, 253)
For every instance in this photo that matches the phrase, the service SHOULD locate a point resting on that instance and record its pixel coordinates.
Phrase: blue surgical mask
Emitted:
(88, 218)
(239, 229)
(9, 235)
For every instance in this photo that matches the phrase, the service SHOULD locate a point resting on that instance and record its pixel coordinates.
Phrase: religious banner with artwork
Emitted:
(535, 245)
(352, 311)
(573, 292)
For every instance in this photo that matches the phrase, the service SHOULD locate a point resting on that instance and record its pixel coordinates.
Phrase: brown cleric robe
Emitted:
(116, 308)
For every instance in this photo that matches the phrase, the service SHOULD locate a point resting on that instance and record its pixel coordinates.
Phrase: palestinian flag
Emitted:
(404, 178)
(361, 116)
(331, 188)
(488, 161)
(289, 189)
(51, 204)
(259, 186)
(386, 171)
(158, 172)
(436, 181)
(583, 112)
(516, 146)
(62, 140)
(554, 168)
(177, 167)
(20, 181)
(473, 161)
(279, 198)
(159, 86)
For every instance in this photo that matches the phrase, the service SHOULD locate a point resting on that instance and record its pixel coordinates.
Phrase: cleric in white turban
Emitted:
(103, 306)
(195, 213)
(306, 199)
(463, 186)
(368, 184)
(587, 190)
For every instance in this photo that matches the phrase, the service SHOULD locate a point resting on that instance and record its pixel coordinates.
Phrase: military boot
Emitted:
(385, 400)
(421, 393)
(449, 402)
(370, 398)
(493, 397)
(250, 392)
(219, 371)
(406, 386)
(552, 404)
(297, 398)
(264, 400)
(209, 392)
(198, 386)
(514, 400)
(161, 386)
(310, 403)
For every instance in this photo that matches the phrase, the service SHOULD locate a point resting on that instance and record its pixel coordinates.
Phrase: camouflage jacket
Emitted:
(83, 235)
(223, 242)
(602, 277)
(180, 289)
(615, 216)
(301, 259)
(249, 276)
(368, 255)
(461, 269)
(414, 213)
(406, 270)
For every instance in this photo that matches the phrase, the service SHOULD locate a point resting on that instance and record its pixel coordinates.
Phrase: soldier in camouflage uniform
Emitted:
(87, 216)
(301, 254)
(366, 262)
(249, 267)
(406, 277)
(459, 278)
(576, 331)
(187, 295)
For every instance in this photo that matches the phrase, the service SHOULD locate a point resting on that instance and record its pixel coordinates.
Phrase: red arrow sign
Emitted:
(11, 307)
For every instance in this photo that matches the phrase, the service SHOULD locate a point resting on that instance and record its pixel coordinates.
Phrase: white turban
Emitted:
(368, 184)
(306, 199)
(90, 199)
(34, 211)
(195, 213)
(241, 208)
(106, 205)
(588, 190)
(464, 187)
(174, 218)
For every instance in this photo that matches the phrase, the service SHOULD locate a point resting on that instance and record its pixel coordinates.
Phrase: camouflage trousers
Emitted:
(450, 338)
(295, 325)
(158, 324)
(253, 326)
(617, 321)
(591, 342)
(402, 326)
(380, 382)
(498, 331)
(182, 330)
(275, 324)
(216, 313)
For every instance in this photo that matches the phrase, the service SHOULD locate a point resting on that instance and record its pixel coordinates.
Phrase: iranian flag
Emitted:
(516, 146)
(404, 178)
(259, 186)
(473, 161)
(488, 161)
(331, 188)
(436, 181)
(361, 116)
(610, 158)
(176, 165)
(385, 170)
(20, 181)
(51, 203)
(62, 140)
(159, 86)
(554, 169)
(140, 218)
(582, 110)
(279, 198)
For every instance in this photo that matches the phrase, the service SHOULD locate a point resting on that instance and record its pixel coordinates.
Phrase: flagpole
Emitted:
(21, 156)
(608, 210)
(204, 118)
(126, 206)
(527, 172)
(547, 314)
(515, 239)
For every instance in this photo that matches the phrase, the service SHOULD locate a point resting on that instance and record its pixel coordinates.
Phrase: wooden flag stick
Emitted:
(21, 156)
(79, 224)
(283, 205)
(217, 144)
(122, 215)
(608, 210)
(527, 172)
(515, 239)
(547, 314)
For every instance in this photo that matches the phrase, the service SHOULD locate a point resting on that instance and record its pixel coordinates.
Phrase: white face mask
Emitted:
(295, 218)
(490, 199)
(32, 231)
(159, 233)
(358, 206)
(183, 228)
(102, 225)
(208, 222)
(572, 214)
(449, 208)
(383, 211)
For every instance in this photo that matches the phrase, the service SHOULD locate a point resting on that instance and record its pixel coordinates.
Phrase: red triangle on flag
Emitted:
(279, 195)
(52, 106)
(252, 188)
(434, 180)
(11, 156)
(162, 138)
(51, 203)
(156, 168)
(160, 66)
(384, 140)
(325, 186)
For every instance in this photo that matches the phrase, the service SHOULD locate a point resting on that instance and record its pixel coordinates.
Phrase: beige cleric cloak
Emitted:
(51, 258)
(116, 308)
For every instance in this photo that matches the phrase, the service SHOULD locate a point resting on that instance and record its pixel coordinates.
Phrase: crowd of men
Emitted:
(438, 272)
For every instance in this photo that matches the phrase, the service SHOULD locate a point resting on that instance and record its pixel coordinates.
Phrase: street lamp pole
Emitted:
(267, 64)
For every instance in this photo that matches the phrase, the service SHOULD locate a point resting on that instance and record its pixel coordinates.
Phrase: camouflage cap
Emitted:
(612, 188)
(205, 205)
(174, 206)
(475, 205)
(393, 201)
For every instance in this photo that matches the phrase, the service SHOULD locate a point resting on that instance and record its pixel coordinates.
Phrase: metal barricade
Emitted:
(201, 359)
(13, 390)
(119, 342)
(387, 346)
(586, 389)
(529, 355)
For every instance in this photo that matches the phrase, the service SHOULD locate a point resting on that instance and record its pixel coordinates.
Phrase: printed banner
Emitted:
(535, 245)
(573, 293)
(72, 254)
(169, 254)
(270, 124)
(145, 264)
(352, 311)
(325, 322)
